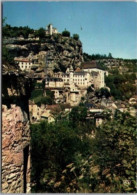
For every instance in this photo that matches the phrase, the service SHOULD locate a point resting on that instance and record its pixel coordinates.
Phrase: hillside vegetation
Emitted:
(66, 158)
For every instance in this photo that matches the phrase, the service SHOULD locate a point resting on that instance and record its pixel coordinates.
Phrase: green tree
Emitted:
(78, 115)
(115, 153)
(110, 56)
(38, 97)
(76, 37)
(66, 33)
(7, 58)
(102, 92)
(40, 33)
(121, 85)
(53, 148)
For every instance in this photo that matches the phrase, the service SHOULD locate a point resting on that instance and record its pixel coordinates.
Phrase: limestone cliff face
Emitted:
(15, 135)
(61, 52)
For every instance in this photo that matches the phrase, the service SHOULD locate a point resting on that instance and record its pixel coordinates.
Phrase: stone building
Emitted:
(15, 134)
(85, 77)
(24, 63)
(78, 77)
(38, 113)
(54, 82)
(50, 30)
(97, 75)
(71, 86)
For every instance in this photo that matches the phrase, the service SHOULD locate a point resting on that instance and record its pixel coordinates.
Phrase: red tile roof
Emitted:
(22, 60)
(91, 64)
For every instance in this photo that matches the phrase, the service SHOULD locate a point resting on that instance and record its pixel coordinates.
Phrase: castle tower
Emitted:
(71, 74)
(50, 28)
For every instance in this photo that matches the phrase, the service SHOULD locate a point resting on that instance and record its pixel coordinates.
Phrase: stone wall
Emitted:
(15, 136)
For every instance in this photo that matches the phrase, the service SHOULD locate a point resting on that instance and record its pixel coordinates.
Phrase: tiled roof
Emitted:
(78, 70)
(22, 60)
(91, 64)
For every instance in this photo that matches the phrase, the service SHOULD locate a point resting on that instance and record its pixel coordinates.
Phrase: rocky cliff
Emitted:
(58, 51)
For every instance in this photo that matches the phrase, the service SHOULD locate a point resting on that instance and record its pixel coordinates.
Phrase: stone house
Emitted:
(53, 82)
(25, 64)
(47, 116)
(38, 113)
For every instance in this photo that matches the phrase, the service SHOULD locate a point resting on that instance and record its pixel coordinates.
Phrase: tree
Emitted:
(38, 98)
(66, 33)
(110, 56)
(102, 92)
(76, 37)
(7, 58)
(121, 86)
(53, 148)
(90, 89)
(40, 33)
(115, 153)
(78, 115)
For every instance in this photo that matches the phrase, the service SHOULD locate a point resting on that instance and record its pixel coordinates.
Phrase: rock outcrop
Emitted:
(58, 51)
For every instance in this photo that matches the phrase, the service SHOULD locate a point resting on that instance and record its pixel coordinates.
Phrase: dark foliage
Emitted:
(66, 33)
(121, 85)
(65, 159)
(102, 92)
(40, 33)
(9, 31)
(88, 57)
(76, 37)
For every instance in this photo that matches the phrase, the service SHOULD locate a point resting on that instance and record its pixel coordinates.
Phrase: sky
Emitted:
(103, 27)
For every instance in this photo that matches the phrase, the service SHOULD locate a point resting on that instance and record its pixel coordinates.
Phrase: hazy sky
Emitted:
(103, 27)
